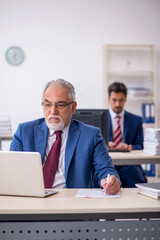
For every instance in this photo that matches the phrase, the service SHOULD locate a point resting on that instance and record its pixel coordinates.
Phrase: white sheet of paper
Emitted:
(94, 193)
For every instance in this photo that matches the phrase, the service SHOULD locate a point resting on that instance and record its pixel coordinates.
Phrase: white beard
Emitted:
(55, 126)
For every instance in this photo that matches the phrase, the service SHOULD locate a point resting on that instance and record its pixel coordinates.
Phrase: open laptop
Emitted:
(21, 174)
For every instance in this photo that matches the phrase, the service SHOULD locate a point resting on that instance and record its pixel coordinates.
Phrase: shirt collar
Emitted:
(113, 114)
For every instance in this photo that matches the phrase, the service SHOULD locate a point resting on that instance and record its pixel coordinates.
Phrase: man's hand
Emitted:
(112, 186)
(121, 146)
(125, 146)
(111, 145)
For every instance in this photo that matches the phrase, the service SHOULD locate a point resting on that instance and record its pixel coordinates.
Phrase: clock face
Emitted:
(14, 56)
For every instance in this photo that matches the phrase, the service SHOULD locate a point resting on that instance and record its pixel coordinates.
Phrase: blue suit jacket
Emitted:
(133, 131)
(86, 153)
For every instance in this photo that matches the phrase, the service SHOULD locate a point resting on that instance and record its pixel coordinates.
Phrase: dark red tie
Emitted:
(117, 135)
(51, 164)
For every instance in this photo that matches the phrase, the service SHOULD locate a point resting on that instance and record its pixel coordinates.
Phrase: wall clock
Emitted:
(14, 55)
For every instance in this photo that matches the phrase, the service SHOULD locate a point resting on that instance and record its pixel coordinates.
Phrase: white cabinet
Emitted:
(135, 66)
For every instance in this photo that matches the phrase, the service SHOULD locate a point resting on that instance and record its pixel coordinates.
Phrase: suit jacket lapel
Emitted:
(110, 129)
(73, 136)
(125, 126)
(41, 136)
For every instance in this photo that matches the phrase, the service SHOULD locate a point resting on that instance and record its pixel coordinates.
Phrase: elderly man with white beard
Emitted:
(82, 155)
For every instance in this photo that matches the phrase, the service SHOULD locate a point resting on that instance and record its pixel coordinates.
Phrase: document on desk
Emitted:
(94, 193)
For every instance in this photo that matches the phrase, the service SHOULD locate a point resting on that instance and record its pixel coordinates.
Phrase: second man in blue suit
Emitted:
(131, 131)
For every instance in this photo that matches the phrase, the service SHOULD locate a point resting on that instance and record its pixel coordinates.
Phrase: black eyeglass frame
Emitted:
(58, 105)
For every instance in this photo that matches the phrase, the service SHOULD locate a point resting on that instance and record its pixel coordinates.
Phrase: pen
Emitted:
(108, 176)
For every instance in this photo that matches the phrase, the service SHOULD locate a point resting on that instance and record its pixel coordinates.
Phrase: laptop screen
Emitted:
(21, 174)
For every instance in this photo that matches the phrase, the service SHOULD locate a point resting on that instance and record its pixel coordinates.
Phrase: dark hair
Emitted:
(117, 87)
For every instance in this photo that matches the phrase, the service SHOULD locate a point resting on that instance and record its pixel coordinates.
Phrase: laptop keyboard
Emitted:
(118, 150)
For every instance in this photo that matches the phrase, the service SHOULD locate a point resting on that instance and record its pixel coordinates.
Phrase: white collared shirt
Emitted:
(113, 118)
(59, 180)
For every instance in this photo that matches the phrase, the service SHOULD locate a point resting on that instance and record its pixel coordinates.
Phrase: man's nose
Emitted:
(117, 103)
(53, 109)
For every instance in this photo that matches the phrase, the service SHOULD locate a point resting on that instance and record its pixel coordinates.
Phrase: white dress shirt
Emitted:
(59, 180)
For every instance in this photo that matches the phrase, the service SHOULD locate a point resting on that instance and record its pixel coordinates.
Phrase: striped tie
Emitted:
(117, 135)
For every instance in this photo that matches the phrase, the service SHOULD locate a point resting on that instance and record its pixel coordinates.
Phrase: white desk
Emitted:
(133, 158)
(62, 216)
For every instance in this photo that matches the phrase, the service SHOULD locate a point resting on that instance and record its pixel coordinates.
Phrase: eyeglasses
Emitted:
(57, 105)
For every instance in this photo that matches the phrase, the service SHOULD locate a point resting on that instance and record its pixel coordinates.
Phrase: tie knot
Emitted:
(117, 117)
(58, 133)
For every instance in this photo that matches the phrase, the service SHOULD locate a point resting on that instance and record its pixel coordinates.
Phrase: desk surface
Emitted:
(64, 203)
(6, 136)
(134, 157)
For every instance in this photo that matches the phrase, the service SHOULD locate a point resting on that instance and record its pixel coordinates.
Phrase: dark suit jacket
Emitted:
(86, 152)
(133, 131)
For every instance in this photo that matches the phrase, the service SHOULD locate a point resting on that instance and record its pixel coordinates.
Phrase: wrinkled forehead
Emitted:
(56, 94)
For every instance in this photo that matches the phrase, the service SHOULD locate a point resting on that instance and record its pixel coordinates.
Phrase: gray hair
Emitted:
(62, 83)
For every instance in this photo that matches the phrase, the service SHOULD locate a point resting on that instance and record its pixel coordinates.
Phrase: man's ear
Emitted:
(74, 105)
